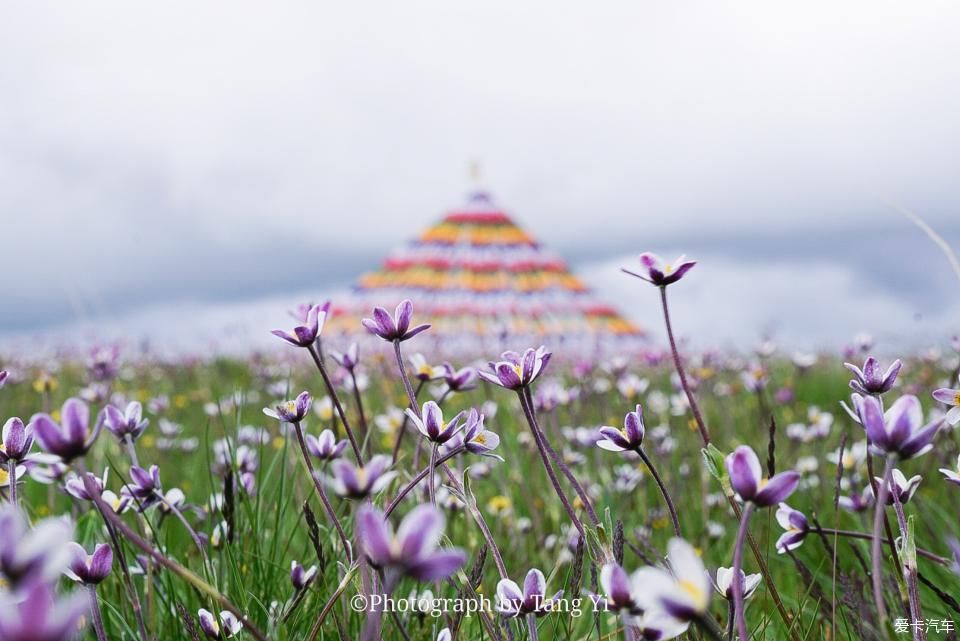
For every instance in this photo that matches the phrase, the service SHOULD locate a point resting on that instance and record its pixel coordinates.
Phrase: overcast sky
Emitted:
(213, 157)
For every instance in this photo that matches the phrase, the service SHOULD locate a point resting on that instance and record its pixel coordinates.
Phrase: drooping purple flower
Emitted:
(872, 379)
(660, 273)
(954, 546)
(899, 430)
(301, 577)
(412, 551)
(145, 488)
(630, 438)
(71, 438)
(397, 327)
(746, 477)
(291, 411)
(357, 482)
(40, 615)
(33, 554)
(324, 447)
(950, 397)
(532, 599)
(796, 525)
(431, 423)
(128, 424)
(515, 371)
(617, 590)
(349, 359)
(723, 583)
(90, 569)
(4, 374)
(305, 335)
(459, 380)
(899, 487)
(228, 626)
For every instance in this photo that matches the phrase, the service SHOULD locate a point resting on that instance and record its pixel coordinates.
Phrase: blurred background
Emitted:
(188, 172)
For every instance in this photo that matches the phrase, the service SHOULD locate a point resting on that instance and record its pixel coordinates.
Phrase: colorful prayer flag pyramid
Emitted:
(477, 275)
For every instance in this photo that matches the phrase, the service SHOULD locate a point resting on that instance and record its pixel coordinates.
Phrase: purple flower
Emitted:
(899, 487)
(396, 328)
(412, 551)
(4, 374)
(630, 438)
(40, 615)
(515, 371)
(683, 592)
(724, 583)
(128, 424)
(301, 313)
(324, 447)
(660, 273)
(347, 360)
(17, 442)
(796, 525)
(291, 411)
(145, 488)
(746, 477)
(28, 555)
(229, 625)
(755, 377)
(359, 482)
(431, 424)
(305, 335)
(90, 569)
(301, 577)
(954, 546)
(900, 429)
(72, 437)
(460, 380)
(617, 589)
(532, 599)
(871, 379)
(950, 397)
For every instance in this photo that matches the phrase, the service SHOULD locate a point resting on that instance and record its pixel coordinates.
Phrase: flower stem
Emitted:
(704, 433)
(431, 489)
(878, 519)
(125, 571)
(706, 623)
(322, 493)
(910, 574)
(131, 450)
(411, 395)
(336, 402)
(559, 462)
(936, 558)
(403, 424)
(481, 522)
(737, 584)
(359, 399)
(532, 627)
(96, 613)
(550, 471)
(12, 480)
(417, 479)
(169, 564)
(186, 524)
(663, 490)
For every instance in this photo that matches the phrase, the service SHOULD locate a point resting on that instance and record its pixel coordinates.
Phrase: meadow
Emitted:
(262, 525)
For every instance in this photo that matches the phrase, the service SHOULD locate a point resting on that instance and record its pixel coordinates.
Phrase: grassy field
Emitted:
(824, 586)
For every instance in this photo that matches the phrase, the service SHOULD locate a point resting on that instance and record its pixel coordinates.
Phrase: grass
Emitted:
(270, 529)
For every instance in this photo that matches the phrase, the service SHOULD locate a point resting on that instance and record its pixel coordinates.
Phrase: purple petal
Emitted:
(420, 531)
(743, 466)
(416, 330)
(373, 533)
(948, 396)
(438, 565)
(777, 489)
(75, 417)
(403, 315)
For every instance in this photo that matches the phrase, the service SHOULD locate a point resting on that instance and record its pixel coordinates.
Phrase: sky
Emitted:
(168, 169)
